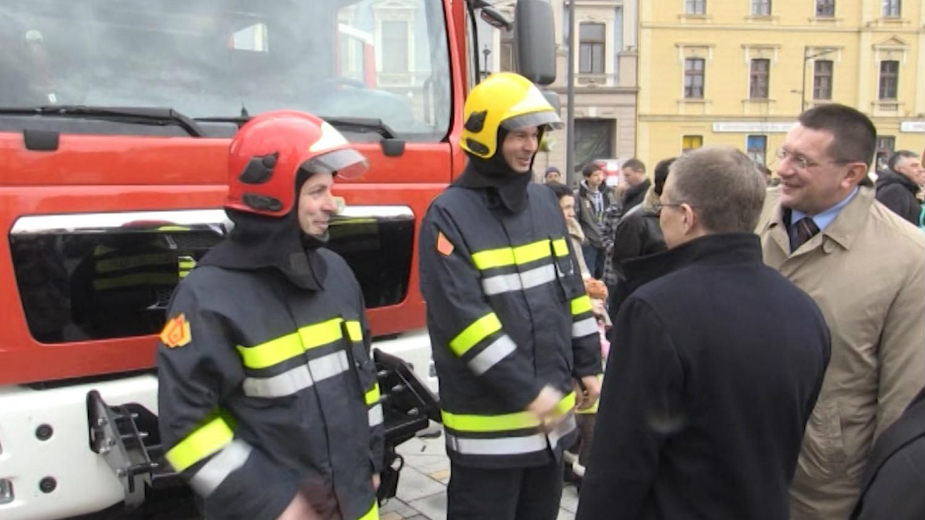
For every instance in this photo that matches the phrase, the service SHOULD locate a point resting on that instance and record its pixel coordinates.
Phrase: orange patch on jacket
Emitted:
(176, 333)
(444, 246)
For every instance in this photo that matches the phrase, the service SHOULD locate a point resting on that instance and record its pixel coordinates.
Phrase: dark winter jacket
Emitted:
(507, 314)
(895, 477)
(634, 195)
(589, 217)
(706, 393)
(266, 386)
(897, 192)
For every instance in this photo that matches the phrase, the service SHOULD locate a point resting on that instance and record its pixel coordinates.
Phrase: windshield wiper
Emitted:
(145, 115)
(362, 124)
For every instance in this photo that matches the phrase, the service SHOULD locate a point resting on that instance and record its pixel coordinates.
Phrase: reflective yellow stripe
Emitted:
(320, 333)
(354, 331)
(502, 422)
(489, 423)
(372, 396)
(272, 352)
(503, 256)
(291, 345)
(581, 305)
(566, 404)
(372, 514)
(202, 442)
(477, 331)
(560, 247)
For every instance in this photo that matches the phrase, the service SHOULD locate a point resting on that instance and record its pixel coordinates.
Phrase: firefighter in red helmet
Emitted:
(268, 399)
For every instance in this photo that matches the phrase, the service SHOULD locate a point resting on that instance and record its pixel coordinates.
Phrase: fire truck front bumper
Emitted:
(48, 466)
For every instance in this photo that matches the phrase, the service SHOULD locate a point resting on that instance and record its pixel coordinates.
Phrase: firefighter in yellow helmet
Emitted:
(510, 323)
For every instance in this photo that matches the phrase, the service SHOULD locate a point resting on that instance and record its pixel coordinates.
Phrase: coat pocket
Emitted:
(823, 454)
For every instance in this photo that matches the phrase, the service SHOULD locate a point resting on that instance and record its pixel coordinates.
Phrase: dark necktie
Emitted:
(805, 229)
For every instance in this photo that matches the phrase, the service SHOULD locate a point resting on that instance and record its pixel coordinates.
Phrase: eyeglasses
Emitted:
(801, 161)
(659, 205)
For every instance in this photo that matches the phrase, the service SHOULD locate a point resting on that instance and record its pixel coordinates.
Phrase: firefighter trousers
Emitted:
(504, 494)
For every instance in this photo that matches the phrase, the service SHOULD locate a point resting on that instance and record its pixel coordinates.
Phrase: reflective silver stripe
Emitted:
(584, 327)
(562, 429)
(219, 467)
(328, 366)
(518, 281)
(375, 415)
(287, 383)
(495, 352)
(497, 446)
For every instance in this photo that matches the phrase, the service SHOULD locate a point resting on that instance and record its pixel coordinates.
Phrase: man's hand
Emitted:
(544, 406)
(299, 509)
(590, 391)
(376, 482)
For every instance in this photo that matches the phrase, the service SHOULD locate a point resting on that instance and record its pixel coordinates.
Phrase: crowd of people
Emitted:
(694, 345)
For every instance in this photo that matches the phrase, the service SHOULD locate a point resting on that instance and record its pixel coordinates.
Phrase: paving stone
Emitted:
(432, 507)
(413, 485)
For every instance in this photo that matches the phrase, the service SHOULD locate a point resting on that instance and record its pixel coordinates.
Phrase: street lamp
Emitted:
(807, 57)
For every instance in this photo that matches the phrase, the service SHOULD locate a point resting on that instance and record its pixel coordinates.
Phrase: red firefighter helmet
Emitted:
(269, 150)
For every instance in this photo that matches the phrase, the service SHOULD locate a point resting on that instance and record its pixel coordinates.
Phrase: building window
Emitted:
(691, 142)
(822, 79)
(825, 8)
(695, 6)
(889, 76)
(758, 80)
(693, 78)
(591, 48)
(506, 56)
(756, 146)
(761, 7)
(394, 46)
(892, 8)
(885, 145)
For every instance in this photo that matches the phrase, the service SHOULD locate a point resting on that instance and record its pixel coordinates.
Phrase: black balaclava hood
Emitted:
(264, 242)
(507, 186)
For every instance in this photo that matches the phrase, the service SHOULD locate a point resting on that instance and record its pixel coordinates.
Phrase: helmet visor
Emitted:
(345, 163)
(547, 118)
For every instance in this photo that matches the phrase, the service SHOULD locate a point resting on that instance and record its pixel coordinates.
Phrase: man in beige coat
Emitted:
(865, 267)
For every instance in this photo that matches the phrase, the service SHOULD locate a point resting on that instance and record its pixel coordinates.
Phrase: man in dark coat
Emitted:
(898, 187)
(895, 477)
(706, 395)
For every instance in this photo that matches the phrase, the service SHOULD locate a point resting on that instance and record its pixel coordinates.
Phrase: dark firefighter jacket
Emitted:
(267, 389)
(507, 314)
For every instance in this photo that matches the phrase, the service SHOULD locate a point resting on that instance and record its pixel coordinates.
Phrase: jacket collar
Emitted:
(844, 228)
(715, 249)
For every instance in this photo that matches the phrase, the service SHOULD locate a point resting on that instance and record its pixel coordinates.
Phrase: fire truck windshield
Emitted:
(224, 59)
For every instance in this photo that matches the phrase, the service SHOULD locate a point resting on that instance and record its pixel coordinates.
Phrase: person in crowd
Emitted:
(267, 393)
(637, 185)
(637, 234)
(899, 187)
(893, 482)
(705, 399)
(509, 319)
(634, 187)
(593, 199)
(552, 175)
(865, 267)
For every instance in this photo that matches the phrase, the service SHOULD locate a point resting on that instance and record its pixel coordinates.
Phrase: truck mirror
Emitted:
(535, 44)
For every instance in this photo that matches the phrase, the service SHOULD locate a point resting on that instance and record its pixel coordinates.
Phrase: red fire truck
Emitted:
(115, 118)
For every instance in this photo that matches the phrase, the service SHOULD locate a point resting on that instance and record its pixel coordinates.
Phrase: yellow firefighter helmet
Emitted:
(507, 100)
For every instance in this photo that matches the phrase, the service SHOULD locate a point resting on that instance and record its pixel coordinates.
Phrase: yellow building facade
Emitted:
(739, 72)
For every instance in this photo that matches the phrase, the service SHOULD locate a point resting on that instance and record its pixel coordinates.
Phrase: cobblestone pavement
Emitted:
(422, 486)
